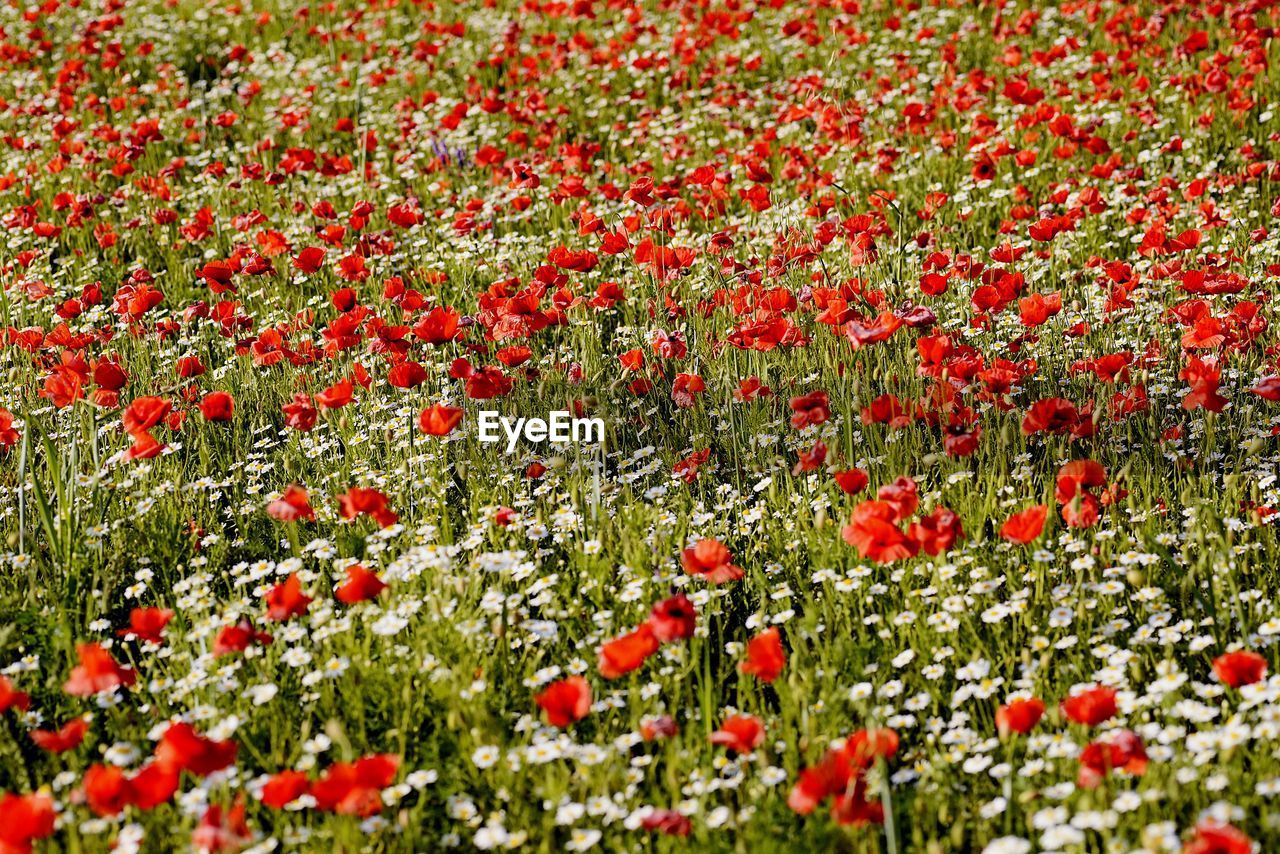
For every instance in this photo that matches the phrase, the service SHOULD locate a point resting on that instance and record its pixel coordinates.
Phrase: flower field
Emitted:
(935, 508)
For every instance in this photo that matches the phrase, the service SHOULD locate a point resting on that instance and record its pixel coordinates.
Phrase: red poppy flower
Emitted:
(513, 357)
(106, 790)
(1082, 512)
(97, 672)
(1203, 376)
(685, 388)
(879, 329)
(222, 830)
(1025, 526)
(874, 532)
(9, 434)
(1036, 309)
(1211, 837)
(407, 375)
(286, 600)
(1121, 751)
(937, 532)
(811, 459)
(284, 788)
(811, 408)
(632, 360)
(673, 619)
(901, 495)
(751, 389)
(359, 500)
(154, 784)
(669, 345)
(668, 822)
(143, 413)
(438, 326)
(67, 737)
(238, 638)
(626, 653)
(352, 268)
(866, 746)
(309, 260)
(361, 585)
(144, 447)
(182, 748)
(1056, 415)
(355, 788)
(23, 820)
(108, 374)
(852, 806)
(1019, 716)
(336, 396)
(218, 406)
(1091, 706)
(300, 413)
(851, 481)
(1268, 388)
(1080, 507)
(147, 624)
(1240, 668)
(565, 701)
(710, 559)
(688, 467)
(405, 215)
(487, 383)
(293, 505)
(840, 776)
(640, 386)
(739, 733)
(63, 388)
(439, 420)
(11, 698)
(765, 656)
(654, 728)
(1077, 476)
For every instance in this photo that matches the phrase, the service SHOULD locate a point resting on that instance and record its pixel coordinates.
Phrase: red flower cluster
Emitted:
(346, 788)
(841, 776)
(875, 527)
(108, 790)
(1075, 484)
(24, 819)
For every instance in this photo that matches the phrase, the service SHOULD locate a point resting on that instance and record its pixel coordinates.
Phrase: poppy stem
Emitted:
(29, 759)
(408, 471)
(886, 798)
(22, 492)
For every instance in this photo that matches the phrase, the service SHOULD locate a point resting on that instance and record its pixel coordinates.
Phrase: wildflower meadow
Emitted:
(639, 425)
